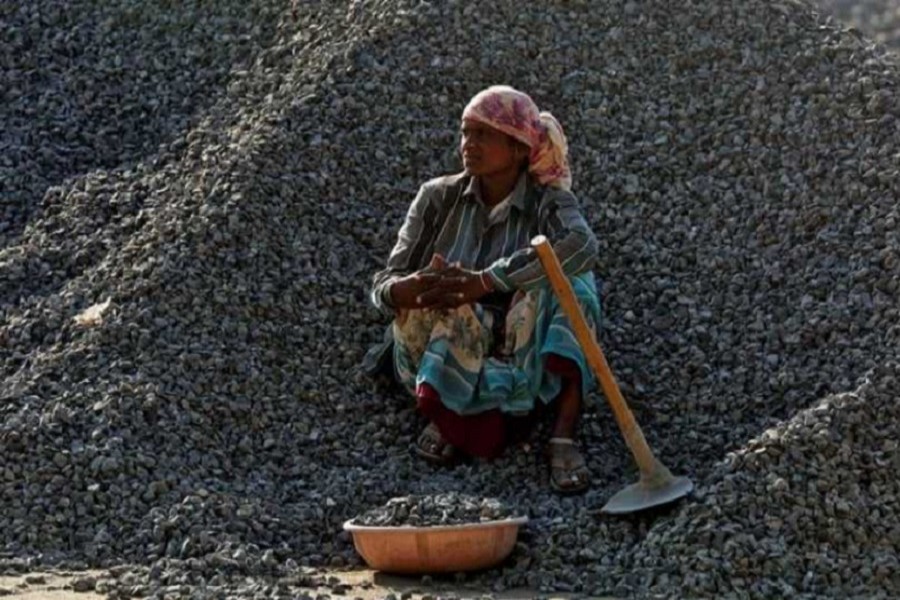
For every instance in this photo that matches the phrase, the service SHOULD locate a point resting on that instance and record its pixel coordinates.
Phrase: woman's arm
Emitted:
(560, 219)
(415, 241)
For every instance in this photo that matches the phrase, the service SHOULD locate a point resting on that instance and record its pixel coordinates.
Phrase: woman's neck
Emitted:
(497, 186)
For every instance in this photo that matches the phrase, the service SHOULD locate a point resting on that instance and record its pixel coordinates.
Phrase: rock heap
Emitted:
(196, 196)
(431, 510)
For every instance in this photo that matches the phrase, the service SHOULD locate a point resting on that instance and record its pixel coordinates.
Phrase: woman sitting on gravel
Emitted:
(478, 335)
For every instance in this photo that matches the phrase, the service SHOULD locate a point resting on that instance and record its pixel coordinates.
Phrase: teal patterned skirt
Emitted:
(476, 365)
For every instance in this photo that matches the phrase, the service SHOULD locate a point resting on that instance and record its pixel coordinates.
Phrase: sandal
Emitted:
(568, 470)
(432, 446)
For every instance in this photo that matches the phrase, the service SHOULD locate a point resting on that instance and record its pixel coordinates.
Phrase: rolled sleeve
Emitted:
(414, 238)
(561, 221)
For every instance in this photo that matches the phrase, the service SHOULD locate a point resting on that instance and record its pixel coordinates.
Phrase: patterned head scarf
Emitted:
(515, 114)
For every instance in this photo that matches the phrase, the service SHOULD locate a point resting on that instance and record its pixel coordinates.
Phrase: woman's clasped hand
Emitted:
(439, 286)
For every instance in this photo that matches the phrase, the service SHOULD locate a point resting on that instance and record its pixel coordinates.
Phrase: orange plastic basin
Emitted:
(437, 549)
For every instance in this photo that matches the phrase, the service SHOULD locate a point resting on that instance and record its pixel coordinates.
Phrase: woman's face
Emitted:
(486, 151)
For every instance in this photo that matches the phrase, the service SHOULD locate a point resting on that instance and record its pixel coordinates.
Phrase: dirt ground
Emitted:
(45, 586)
(368, 585)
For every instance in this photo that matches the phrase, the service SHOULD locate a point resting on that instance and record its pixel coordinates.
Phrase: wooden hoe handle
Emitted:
(631, 431)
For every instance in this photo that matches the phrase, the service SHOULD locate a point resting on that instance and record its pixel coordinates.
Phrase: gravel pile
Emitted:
(807, 509)
(95, 86)
(437, 509)
(192, 231)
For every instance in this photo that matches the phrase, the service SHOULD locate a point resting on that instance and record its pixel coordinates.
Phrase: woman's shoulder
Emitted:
(442, 190)
(447, 182)
(547, 194)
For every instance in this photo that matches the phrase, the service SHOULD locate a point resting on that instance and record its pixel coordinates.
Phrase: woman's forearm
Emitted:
(577, 252)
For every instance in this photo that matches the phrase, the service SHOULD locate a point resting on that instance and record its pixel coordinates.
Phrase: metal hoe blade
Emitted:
(650, 491)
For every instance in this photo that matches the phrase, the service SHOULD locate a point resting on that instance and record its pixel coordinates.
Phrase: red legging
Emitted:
(484, 434)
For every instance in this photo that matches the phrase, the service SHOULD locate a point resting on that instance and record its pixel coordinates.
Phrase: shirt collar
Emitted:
(473, 190)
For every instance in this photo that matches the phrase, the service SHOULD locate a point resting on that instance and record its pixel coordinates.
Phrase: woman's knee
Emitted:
(563, 366)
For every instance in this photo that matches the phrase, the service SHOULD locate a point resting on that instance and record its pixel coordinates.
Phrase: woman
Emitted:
(478, 335)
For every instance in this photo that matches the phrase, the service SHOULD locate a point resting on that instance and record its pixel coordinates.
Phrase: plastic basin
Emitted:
(436, 549)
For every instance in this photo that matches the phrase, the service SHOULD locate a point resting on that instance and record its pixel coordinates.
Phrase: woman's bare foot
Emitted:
(568, 470)
(432, 446)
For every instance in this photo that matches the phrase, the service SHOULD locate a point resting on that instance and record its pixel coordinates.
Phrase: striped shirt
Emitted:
(448, 217)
